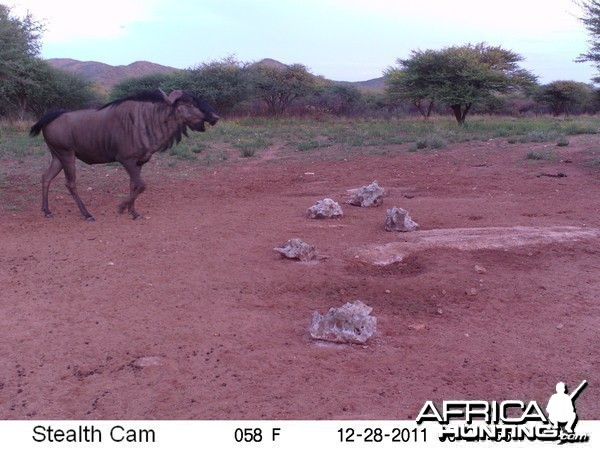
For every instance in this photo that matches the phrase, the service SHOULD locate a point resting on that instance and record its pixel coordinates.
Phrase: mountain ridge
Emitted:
(106, 76)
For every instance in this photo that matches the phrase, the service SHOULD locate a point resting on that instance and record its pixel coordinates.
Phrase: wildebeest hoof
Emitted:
(49, 215)
(90, 219)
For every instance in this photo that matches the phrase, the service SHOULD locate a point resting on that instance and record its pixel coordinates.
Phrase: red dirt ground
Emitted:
(221, 320)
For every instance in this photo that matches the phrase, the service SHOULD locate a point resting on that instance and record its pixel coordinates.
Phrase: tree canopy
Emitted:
(415, 80)
(565, 97)
(27, 83)
(591, 20)
(222, 83)
(19, 48)
(278, 87)
(458, 76)
(19, 42)
(229, 82)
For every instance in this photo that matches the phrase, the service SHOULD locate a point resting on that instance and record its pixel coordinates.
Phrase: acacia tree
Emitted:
(278, 87)
(339, 98)
(19, 42)
(414, 81)
(563, 97)
(223, 83)
(457, 76)
(591, 20)
(27, 83)
(19, 48)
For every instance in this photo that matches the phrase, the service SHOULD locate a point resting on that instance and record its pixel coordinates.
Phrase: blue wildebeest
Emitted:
(129, 130)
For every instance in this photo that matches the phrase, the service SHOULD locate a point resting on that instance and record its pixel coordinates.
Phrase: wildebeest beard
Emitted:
(196, 127)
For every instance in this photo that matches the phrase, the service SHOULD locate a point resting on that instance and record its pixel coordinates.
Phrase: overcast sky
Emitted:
(346, 40)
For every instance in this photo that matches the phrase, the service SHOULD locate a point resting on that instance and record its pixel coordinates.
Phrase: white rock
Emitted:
(297, 249)
(371, 195)
(480, 269)
(397, 219)
(325, 209)
(348, 323)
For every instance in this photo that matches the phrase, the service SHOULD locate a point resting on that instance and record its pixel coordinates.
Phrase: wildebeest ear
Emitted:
(172, 97)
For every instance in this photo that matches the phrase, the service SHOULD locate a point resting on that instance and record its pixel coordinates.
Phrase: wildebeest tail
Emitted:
(45, 120)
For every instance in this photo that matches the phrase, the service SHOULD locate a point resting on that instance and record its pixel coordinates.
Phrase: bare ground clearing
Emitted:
(189, 314)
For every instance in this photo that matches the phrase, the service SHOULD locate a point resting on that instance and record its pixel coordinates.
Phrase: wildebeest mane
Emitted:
(156, 96)
(152, 96)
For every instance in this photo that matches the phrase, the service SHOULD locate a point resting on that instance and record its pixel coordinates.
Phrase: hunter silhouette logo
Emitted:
(509, 420)
(561, 407)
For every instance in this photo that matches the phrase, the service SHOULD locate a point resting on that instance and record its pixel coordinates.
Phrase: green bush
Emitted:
(540, 136)
(307, 145)
(535, 155)
(248, 145)
(433, 141)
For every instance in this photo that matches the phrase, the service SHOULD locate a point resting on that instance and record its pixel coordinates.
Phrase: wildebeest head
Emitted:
(193, 111)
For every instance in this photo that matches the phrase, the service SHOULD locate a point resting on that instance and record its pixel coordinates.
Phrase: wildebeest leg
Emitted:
(69, 168)
(136, 187)
(53, 170)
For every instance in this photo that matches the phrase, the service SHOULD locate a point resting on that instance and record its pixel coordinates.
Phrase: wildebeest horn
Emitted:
(172, 97)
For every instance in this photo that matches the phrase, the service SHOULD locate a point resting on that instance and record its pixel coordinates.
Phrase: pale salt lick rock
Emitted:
(398, 220)
(371, 195)
(472, 239)
(325, 209)
(349, 323)
(148, 361)
(297, 249)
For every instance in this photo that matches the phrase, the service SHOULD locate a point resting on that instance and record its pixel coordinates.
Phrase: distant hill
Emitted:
(106, 76)
(268, 62)
(373, 85)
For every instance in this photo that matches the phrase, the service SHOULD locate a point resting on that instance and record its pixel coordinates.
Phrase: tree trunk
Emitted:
(417, 103)
(424, 113)
(457, 110)
(22, 101)
(429, 109)
(466, 111)
(461, 114)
